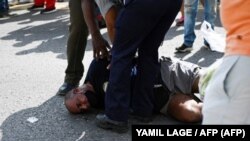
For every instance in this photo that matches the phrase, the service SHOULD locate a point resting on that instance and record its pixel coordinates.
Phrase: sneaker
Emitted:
(65, 88)
(47, 11)
(117, 126)
(183, 48)
(35, 7)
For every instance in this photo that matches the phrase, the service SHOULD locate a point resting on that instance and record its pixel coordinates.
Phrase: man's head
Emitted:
(76, 101)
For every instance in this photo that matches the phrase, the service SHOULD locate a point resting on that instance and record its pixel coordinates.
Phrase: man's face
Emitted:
(78, 103)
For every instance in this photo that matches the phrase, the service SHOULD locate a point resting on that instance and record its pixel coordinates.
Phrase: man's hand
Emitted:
(101, 46)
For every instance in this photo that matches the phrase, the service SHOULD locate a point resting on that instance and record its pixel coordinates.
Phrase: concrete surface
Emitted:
(33, 60)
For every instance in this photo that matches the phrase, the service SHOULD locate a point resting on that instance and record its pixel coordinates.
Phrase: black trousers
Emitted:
(76, 44)
(141, 27)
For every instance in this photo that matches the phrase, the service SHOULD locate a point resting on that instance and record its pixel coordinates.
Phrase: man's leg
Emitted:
(190, 12)
(147, 64)
(76, 45)
(123, 52)
(39, 2)
(50, 4)
(190, 18)
(38, 5)
(210, 11)
(50, 7)
(134, 24)
(4, 8)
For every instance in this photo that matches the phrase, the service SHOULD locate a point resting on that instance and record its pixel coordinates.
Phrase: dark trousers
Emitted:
(141, 26)
(4, 6)
(78, 33)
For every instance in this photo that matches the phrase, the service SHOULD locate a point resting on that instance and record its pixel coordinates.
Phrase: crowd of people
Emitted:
(127, 78)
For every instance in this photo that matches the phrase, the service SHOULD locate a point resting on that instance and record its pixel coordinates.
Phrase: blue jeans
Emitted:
(190, 12)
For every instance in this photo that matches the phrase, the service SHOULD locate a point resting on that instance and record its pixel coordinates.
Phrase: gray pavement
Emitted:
(33, 60)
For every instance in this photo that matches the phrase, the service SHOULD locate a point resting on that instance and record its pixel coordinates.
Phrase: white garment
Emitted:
(104, 6)
(227, 97)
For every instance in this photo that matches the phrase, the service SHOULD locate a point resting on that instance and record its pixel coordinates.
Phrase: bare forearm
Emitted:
(89, 16)
(100, 45)
(110, 18)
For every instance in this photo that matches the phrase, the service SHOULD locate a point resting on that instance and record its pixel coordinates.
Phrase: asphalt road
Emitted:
(32, 64)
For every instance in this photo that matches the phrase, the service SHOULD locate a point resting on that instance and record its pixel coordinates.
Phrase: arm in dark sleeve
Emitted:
(97, 75)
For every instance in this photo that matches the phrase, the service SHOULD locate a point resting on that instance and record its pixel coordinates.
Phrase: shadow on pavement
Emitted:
(56, 123)
(203, 57)
(41, 33)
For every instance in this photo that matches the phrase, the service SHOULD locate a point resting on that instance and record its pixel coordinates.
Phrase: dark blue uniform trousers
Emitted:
(141, 26)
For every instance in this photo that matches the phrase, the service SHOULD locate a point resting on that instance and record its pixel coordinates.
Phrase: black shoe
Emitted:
(34, 7)
(183, 48)
(104, 122)
(65, 88)
(47, 11)
(5, 14)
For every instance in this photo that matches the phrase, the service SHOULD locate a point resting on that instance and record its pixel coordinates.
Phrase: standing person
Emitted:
(141, 26)
(227, 98)
(82, 18)
(190, 12)
(50, 6)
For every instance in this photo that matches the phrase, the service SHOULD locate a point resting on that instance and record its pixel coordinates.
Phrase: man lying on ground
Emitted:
(174, 89)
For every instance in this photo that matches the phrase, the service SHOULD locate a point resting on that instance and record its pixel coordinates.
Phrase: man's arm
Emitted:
(99, 43)
(110, 19)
